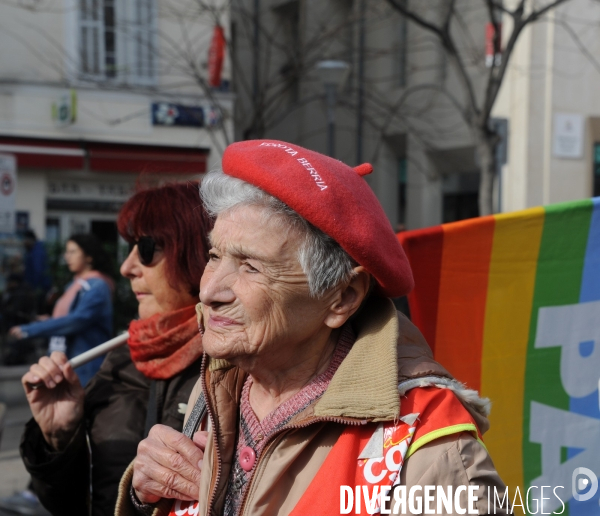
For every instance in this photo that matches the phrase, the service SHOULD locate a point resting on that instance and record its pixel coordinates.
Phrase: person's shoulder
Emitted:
(447, 459)
(415, 358)
(455, 460)
(95, 284)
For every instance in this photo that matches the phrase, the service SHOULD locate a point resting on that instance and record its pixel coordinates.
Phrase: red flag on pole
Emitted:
(493, 49)
(216, 54)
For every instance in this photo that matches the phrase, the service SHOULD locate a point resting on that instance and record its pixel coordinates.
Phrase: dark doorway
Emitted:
(460, 206)
(460, 196)
(106, 231)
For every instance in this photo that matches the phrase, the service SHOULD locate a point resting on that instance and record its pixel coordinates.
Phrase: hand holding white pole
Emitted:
(91, 354)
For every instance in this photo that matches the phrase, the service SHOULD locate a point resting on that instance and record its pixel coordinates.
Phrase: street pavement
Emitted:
(13, 476)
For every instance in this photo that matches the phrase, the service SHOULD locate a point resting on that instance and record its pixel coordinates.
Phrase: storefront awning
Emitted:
(141, 158)
(105, 157)
(44, 154)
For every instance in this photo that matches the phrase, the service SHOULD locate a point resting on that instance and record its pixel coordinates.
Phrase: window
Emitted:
(596, 191)
(110, 51)
(116, 40)
(139, 44)
(52, 229)
(288, 19)
(91, 28)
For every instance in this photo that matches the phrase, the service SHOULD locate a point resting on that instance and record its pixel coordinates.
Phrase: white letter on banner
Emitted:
(412, 498)
(370, 502)
(576, 330)
(527, 497)
(498, 502)
(544, 504)
(559, 499)
(457, 507)
(515, 504)
(385, 499)
(346, 499)
(399, 500)
(444, 498)
(554, 429)
(427, 499)
(472, 500)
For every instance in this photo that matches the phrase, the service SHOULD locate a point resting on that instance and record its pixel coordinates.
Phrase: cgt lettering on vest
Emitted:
(418, 500)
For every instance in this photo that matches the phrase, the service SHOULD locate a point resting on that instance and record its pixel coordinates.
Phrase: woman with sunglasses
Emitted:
(147, 382)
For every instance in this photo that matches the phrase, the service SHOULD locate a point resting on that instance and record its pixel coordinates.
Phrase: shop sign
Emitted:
(568, 135)
(165, 113)
(69, 189)
(8, 187)
(64, 109)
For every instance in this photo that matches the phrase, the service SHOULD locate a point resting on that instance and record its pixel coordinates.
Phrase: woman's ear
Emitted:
(348, 298)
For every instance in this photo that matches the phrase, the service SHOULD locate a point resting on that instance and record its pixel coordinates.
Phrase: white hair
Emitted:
(322, 259)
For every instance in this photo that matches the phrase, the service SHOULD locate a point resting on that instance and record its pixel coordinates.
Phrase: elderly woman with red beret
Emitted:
(321, 398)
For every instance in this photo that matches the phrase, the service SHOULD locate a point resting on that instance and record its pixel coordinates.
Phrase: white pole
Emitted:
(90, 354)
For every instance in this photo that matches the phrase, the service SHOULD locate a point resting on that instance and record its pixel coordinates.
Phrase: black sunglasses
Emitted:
(146, 248)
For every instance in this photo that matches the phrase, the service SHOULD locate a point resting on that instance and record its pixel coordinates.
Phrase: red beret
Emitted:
(330, 195)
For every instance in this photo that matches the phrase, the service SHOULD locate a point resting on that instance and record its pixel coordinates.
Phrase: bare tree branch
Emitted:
(448, 18)
(411, 15)
(495, 4)
(535, 15)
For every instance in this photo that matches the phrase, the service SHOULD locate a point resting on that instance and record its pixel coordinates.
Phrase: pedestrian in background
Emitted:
(36, 267)
(17, 306)
(83, 316)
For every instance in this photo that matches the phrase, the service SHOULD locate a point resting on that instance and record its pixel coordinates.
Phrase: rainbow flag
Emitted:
(510, 305)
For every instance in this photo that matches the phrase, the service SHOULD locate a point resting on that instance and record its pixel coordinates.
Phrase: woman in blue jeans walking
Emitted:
(82, 317)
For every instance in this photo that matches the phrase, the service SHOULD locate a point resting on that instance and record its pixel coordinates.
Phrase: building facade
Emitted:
(400, 108)
(99, 95)
(550, 98)
(392, 111)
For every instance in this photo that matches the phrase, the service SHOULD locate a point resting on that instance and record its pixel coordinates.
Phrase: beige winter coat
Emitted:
(389, 351)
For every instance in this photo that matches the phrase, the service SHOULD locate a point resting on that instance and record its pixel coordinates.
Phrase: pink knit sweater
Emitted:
(255, 433)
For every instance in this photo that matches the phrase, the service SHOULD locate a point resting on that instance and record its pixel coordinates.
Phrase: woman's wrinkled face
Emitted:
(254, 293)
(151, 287)
(77, 260)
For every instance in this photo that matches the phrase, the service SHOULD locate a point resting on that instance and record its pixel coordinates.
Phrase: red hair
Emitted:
(174, 216)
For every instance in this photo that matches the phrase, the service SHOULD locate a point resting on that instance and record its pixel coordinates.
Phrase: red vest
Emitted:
(440, 414)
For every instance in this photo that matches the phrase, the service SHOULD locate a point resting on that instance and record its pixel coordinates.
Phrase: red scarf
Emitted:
(165, 344)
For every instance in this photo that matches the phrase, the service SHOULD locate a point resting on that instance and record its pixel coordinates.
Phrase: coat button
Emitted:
(247, 458)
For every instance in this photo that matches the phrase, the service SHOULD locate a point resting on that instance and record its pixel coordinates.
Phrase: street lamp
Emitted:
(333, 74)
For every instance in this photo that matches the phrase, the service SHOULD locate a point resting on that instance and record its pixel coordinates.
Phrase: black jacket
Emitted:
(116, 405)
